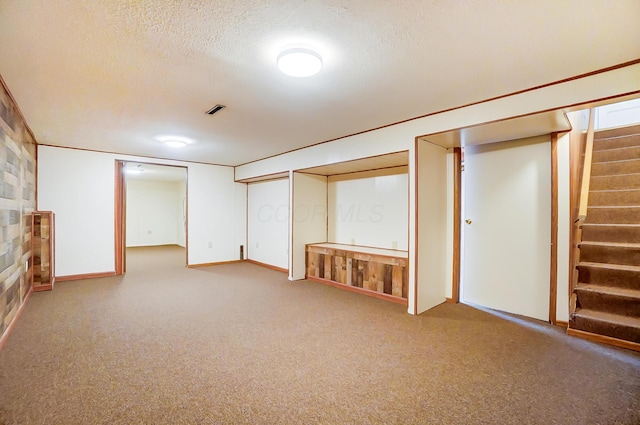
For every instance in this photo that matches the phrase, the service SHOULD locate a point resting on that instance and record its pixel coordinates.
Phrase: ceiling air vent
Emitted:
(215, 109)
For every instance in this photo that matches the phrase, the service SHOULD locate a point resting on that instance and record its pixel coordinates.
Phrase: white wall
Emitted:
(79, 187)
(268, 222)
(431, 225)
(217, 214)
(449, 226)
(618, 114)
(181, 215)
(154, 210)
(370, 209)
(309, 219)
(507, 245)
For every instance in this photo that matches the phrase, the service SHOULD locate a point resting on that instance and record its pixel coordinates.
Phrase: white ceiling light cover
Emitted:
(299, 62)
(175, 141)
(135, 170)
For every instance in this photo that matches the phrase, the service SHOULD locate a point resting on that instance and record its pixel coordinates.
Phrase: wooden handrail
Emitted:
(586, 168)
(582, 201)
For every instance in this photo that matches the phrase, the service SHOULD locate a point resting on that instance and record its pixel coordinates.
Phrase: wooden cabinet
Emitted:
(377, 272)
(42, 250)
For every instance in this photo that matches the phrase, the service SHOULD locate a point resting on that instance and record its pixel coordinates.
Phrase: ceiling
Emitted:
(516, 128)
(115, 75)
(380, 162)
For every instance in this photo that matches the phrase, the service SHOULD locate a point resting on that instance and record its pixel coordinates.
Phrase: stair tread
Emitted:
(597, 135)
(610, 266)
(615, 149)
(615, 175)
(619, 319)
(617, 160)
(610, 225)
(609, 290)
(626, 130)
(613, 244)
(633, 189)
(613, 206)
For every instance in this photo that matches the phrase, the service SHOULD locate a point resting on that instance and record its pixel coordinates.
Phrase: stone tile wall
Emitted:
(17, 201)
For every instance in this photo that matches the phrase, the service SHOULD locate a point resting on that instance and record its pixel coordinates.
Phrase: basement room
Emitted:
(243, 212)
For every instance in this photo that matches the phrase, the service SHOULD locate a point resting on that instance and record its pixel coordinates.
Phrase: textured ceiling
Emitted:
(112, 75)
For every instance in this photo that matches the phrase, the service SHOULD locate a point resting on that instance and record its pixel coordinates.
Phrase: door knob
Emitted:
(467, 221)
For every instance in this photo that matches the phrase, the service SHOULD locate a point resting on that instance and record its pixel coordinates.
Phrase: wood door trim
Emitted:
(553, 278)
(457, 217)
(416, 179)
(119, 225)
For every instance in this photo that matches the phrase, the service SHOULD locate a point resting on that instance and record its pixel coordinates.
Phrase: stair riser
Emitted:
(611, 234)
(598, 301)
(617, 154)
(618, 278)
(628, 215)
(617, 198)
(615, 182)
(617, 132)
(604, 328)
(611, 168)
(610, 255)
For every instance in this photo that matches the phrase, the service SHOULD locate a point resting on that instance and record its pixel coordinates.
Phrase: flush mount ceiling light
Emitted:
(175, 141)
(299, 62)
(137, 170)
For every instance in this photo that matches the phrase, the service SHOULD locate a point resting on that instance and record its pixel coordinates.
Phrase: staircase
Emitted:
(606, 299)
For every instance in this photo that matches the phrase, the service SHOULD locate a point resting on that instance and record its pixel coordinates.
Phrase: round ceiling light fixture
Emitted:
(299, 62)
(175, 141)
(136, 170)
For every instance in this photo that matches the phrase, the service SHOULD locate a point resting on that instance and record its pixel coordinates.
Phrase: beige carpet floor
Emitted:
(239, 344)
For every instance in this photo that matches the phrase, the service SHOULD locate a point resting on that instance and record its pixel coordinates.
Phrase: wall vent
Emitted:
(215, 109)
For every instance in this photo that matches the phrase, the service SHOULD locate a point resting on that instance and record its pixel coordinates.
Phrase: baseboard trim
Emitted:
(604, 339)
(357, 290)
(450, 301)
(71, 277)
(269, 266)
(562, 324)
(5, 336)
(217, 263)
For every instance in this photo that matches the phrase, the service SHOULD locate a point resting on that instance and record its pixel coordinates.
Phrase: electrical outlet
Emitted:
(394, 245)
(353, 241)
(257, 245)
(148, 232)
(210, 244)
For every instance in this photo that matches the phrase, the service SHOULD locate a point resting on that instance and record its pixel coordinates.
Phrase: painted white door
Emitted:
(507, 201)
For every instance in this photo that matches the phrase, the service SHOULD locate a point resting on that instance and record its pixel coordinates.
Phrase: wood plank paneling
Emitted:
(373, 273)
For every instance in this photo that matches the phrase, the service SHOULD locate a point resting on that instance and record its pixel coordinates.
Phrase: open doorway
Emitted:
(151, 213)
